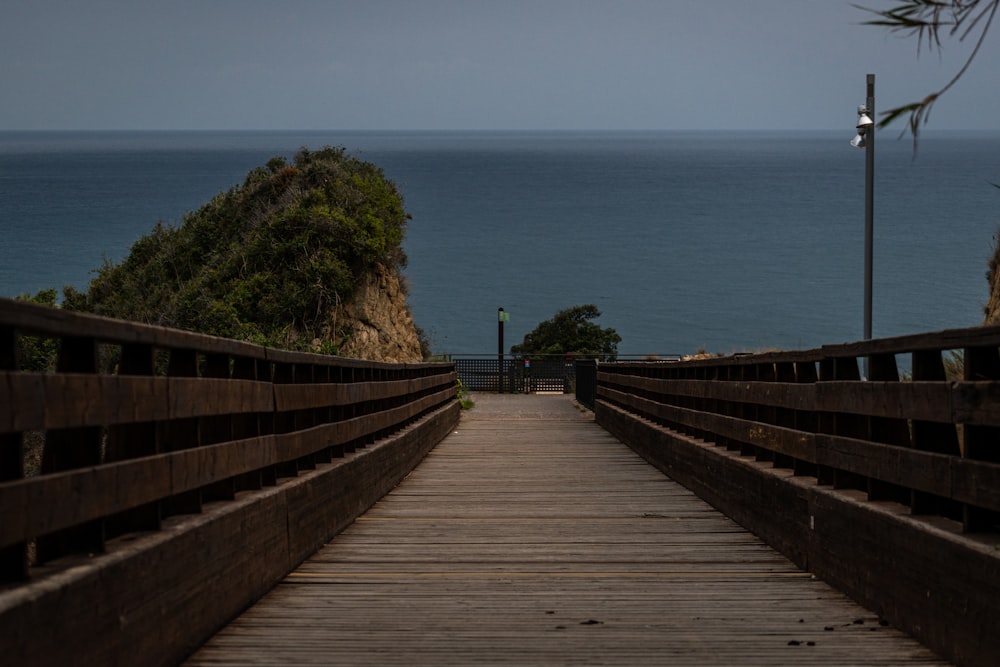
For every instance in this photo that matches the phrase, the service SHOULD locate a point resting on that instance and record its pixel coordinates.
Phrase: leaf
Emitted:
(888, 117)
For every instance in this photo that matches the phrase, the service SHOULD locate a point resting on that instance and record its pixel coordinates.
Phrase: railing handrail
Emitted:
(206, 400)
(182, 476)
(562, 356)
(886, 486)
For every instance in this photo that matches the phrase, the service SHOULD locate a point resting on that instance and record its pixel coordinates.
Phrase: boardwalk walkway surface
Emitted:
(530, 536)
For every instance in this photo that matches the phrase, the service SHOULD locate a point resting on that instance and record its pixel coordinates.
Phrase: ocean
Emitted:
(721, 241)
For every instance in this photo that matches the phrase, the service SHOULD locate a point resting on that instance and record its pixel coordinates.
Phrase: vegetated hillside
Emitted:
(280, 260)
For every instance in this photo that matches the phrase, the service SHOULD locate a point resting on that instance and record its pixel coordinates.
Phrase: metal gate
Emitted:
(517, 376)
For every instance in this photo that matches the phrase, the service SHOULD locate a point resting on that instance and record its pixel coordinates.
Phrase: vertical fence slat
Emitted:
(883, 368)
(247, 425)
(284, 422)
(71, 449)
(14, 558)
(928, 366)
(179, 434)
(806, 420)
(982, 443)
(128, 441)
(217, 428)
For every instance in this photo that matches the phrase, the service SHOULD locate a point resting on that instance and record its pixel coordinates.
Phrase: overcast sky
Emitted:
(469, 64)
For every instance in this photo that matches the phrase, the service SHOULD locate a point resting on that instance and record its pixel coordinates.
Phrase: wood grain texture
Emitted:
(154, 597)
(919, 572)
(530, 536)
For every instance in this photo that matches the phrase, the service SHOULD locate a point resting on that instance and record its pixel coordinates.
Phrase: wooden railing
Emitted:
(887, 487)
(181, 476)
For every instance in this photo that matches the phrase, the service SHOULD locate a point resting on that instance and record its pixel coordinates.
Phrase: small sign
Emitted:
(504, 316)
(527, 363)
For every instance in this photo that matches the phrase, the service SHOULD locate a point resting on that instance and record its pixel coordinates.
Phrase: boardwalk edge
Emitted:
(899, 566)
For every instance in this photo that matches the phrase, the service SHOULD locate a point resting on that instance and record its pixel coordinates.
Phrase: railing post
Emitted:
(182, 433)
(586, 382)
(14, 558)
(247, 425)
(882, 368)
(980, 364)
(70, 449)
(217, 428)
(128, 441)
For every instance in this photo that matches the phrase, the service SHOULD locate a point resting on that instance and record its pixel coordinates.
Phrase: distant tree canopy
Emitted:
(266, 261)
(571, 332)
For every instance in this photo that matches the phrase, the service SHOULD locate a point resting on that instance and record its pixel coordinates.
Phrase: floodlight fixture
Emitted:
(864, 120)
(865, 123)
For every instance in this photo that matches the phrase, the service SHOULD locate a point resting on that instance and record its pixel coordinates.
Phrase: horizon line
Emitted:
(484, 130)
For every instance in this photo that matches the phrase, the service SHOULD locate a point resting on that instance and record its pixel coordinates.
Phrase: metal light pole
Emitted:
(866, 139)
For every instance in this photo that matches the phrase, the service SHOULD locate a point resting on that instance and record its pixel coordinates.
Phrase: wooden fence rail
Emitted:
(888, 487)
(181, 475)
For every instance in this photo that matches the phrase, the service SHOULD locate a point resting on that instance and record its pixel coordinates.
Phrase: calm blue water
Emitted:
(726, 241)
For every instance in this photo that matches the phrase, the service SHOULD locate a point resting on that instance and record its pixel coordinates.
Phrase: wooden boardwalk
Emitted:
(530, 536)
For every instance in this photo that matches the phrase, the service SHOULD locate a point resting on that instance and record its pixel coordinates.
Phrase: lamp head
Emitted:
(859, 139)
(864, 120)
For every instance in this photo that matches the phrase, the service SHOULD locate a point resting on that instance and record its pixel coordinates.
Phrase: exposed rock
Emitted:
(992, 307)
(378, 324)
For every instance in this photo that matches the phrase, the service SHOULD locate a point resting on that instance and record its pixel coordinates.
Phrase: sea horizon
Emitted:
(685, 239)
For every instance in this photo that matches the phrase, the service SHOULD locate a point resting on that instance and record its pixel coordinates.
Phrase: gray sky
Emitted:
(469, 64)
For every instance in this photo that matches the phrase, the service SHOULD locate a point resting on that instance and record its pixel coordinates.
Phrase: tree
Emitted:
(571, 332)
(926, 19)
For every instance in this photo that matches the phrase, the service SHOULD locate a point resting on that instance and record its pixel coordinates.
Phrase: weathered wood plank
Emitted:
(918, 571)
(155, 596)
(530, 536)
(307, 396)
(56, 322)
(969, 402)
(63, 400)
(777, 439)
(115, 487)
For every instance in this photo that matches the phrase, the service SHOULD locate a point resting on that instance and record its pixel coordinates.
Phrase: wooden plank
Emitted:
(154, 597)
(14, 557)
(302, 443)
(948, 339)
(531, 536)
(976, 403)
(325, 394)
(64, 400)
(973, 402)
(56, 322)
(920, 572)
(776, 439)
(911, 468)
(115, 487)
(306, 396)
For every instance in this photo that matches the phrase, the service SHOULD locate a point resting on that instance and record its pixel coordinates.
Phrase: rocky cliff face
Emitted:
(377, 324)
(992, 307)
